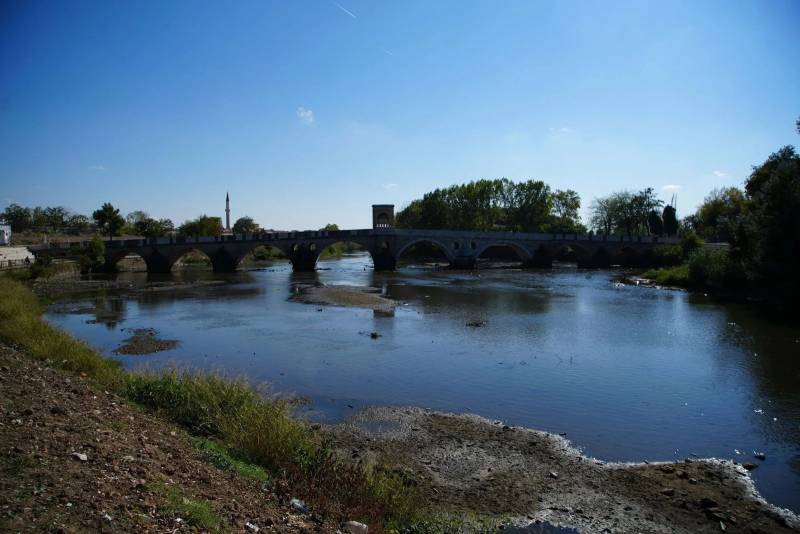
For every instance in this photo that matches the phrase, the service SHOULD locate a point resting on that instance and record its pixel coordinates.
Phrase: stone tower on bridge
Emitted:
(382, 216)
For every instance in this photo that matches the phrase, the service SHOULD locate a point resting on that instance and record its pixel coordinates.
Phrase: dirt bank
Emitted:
(350, 296)
(468, 463)
(55, 288)
(76, 459)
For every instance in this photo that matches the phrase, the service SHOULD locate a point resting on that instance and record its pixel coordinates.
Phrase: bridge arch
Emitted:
(522, 253)
(626, 257)
(191, 256)
(571, 253)
(134, 261)
(427, 241)
(341, 247)
(260, 252)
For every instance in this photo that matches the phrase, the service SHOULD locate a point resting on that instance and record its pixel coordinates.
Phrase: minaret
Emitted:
(227, 212)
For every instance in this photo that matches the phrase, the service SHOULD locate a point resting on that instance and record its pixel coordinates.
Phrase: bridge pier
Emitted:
(303, 257)
(383, 262)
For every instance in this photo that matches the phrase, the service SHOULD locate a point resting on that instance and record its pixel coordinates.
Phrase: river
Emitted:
(628, 373)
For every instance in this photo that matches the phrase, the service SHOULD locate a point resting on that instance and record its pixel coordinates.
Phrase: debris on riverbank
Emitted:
(145, 341)
(347, 296)
(467, 463)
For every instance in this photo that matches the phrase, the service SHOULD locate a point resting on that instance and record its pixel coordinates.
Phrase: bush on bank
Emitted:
(253, 427)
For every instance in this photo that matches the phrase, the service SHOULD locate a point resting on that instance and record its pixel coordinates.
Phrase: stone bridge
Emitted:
(387, 245)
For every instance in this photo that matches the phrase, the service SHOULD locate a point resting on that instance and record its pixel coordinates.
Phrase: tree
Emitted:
(767, 236)
(18, 217)
(152, 228)
(565, 217)
(717, 216)
(331, 227)
(136, 216)
(94, 255)
(655, 223)
(670, 220)
(245, 225)
(108, 220)
(601, 216)
(56, 217)
(201, 226)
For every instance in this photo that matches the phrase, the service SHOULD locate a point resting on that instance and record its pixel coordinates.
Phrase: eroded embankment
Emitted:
(468, 463)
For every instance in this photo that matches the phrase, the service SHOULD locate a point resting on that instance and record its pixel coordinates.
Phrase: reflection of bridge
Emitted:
(386, 245)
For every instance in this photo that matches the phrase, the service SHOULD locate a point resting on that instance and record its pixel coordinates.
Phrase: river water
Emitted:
(627, 373)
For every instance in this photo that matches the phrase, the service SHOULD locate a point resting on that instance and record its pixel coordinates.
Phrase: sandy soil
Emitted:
(351, 296)
(48, 418)
(467, 463)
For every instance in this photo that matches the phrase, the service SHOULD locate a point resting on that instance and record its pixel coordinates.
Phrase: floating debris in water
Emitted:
(759, 411)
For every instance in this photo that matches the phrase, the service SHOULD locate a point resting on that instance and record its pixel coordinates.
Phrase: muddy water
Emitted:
(627, 373)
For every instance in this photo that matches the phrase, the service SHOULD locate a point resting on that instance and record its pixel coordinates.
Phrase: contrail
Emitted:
(350, 13)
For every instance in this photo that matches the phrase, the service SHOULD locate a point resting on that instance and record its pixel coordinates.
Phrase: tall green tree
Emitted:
(152, 228)
(245, 225)
(566, 213)
(108, 220)
(767, 238)
(202, 226)
(718, 215)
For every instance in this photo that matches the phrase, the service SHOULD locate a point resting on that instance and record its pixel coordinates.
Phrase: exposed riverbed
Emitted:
(629, 374)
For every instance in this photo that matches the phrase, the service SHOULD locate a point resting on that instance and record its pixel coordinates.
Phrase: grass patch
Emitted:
(227, 460)
(196, 512)
(677, 276)
(252, 428)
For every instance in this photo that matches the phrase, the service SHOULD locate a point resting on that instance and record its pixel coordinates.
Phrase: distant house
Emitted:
(5, 235)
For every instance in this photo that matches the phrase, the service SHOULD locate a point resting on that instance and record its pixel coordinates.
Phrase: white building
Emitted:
(5, 235)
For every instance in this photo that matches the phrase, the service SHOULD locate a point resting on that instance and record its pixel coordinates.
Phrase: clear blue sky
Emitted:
(310, 111)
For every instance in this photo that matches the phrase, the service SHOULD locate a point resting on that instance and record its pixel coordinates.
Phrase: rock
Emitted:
(251, 527)
(760, 456)
(354, 527)
(298, 505)
(80, 456)
(749, 466)
(667, 469)
(106, 517)
(57, 410)
(553, 474)
(669, 492)
(476, 324)
(707, 502)
(128, 458)
(374, 335)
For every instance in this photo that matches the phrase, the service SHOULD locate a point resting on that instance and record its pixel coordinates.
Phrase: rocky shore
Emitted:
(472, 465)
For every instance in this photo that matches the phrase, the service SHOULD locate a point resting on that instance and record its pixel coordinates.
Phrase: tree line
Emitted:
(532, 206)
(107, 220)
(499, 204)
